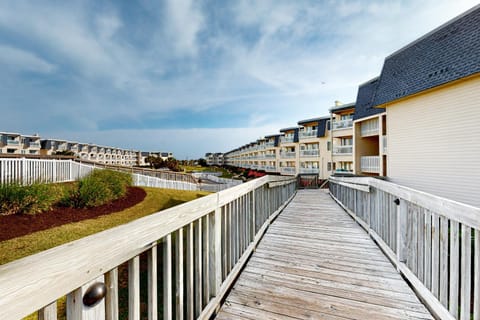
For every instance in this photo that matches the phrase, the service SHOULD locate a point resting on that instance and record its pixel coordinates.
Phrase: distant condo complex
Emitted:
(33, 145)
(417, 123)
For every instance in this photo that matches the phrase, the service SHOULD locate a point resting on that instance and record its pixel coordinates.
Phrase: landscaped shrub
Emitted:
(31, 199)
(99, 187)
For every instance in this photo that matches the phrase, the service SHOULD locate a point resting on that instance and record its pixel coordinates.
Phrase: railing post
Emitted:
(24, 172)
(401, 230)
(216, 250)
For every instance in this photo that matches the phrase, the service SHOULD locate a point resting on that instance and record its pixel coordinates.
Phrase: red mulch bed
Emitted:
(20, 225)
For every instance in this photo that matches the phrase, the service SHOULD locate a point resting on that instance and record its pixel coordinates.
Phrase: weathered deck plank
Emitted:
(315, 262)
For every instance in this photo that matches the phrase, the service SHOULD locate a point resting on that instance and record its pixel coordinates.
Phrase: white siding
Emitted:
(434, 142)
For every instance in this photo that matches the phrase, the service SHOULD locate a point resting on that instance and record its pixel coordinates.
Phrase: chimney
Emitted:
(338, 103)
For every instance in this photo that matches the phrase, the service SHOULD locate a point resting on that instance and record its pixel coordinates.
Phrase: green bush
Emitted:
(99, 187)
(31, 199)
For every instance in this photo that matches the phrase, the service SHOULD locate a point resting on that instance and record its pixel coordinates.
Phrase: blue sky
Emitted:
(193, 76)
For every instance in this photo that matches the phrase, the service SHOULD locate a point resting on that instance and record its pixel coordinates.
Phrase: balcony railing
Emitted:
(13, 142)
(288, 154)
(309, 170)
(288, 170)
(308, 134)
(384, 144)
(270, 144)
(270, 155)
(309, 153)
(270, 168)
(288, 139)
(343, 150)
(370, 164)
(369, 127)
(342, 124)
(33, 144)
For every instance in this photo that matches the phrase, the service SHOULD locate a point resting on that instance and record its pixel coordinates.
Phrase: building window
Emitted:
(329, 145)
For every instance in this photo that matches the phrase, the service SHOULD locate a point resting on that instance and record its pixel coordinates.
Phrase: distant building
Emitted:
(214, 159)
(15, 143)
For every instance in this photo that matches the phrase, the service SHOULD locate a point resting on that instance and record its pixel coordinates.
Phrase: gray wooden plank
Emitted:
(316, 262)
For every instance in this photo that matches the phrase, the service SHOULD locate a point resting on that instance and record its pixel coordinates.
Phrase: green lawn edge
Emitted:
(156, 200)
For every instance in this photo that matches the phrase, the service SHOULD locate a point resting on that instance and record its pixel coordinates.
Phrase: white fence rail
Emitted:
(434, 242)
(28, 171)
(201, 246)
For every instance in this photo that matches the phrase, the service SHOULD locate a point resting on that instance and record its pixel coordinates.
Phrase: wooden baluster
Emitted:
(454, 268)
(198, 267)
(152, 283)
(167, 278)
(443, 261)
(111, 299)
(190, 267)
(134, 288)
(179, 268)
(49, 312)
(465, 280)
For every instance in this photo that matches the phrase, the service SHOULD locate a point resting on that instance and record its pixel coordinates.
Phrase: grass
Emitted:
(156, 200)
(225, 173)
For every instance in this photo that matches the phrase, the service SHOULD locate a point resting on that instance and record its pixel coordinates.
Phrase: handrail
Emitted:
(434, 242)
(218, 233)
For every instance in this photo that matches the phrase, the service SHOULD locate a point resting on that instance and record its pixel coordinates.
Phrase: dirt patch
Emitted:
(20, 225)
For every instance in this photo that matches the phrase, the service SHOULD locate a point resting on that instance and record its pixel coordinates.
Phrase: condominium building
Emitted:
(314, 157)
(370, 138)
(214, 159)
(15, 143)
(288, 162)
(342, 137)
(432, 106)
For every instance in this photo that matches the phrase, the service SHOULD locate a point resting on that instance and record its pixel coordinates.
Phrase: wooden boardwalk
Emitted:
(315, 262)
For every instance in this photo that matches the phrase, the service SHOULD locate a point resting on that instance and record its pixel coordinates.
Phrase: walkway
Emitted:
(315, 262)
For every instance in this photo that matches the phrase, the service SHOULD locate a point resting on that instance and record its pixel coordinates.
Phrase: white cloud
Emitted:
(185, 21)
(24, 60)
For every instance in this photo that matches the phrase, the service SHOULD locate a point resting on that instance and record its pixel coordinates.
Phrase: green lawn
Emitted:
(225, 173)
(156, 200)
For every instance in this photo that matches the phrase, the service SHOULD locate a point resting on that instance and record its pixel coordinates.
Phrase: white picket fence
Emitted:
(28, 171)
(220, 183)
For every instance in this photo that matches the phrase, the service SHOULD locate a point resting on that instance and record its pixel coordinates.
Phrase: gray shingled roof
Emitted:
(366, 93)
(449, 53)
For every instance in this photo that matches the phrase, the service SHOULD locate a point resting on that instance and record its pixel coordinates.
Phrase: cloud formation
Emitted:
(208, 75)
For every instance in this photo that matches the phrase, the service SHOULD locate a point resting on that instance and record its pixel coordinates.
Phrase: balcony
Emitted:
(370, 164)
(342, 124)
(270, 144)
(270, 155)
(270, 168)
(369, 127)
(288, 170)
(286, 139)
(287, 154)
(343, 150)
(13, 142)
(32, 144)
(310, 170)
(308, 134)
(309, 153)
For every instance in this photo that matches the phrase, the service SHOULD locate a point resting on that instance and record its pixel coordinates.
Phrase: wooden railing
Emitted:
(27, 171)
(195, 251)
(434, 242)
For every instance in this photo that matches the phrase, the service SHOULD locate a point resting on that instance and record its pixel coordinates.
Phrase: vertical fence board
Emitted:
(167, 278)
(134, 289)
(111, 299)
(465, 280)
(152, 283)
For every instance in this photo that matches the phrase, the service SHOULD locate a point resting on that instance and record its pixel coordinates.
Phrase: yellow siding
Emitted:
(434, 142)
